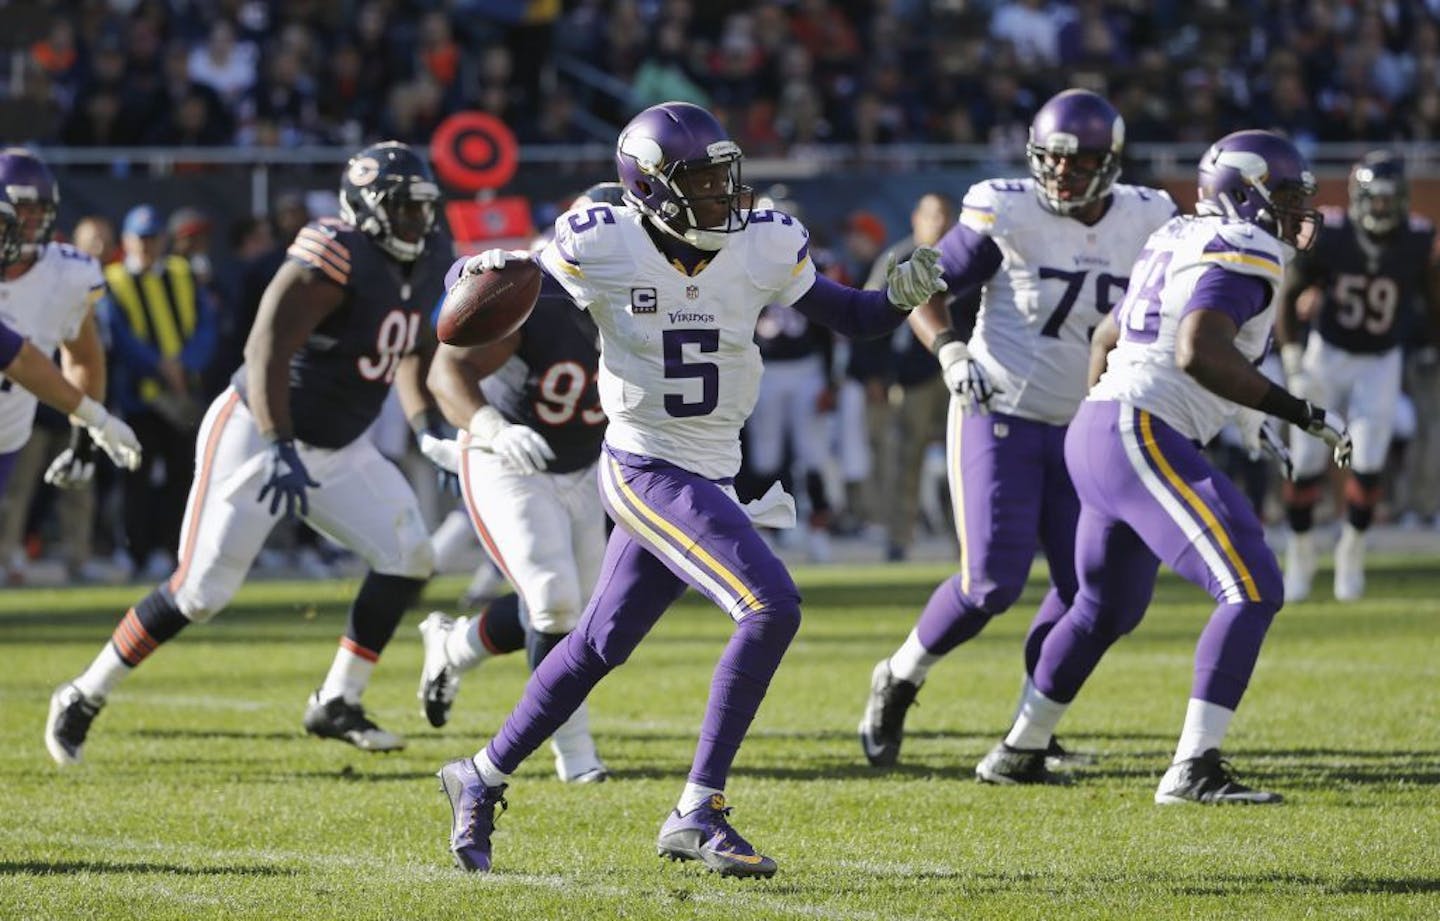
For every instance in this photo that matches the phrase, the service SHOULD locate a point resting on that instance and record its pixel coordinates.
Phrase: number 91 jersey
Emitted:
(1141, 370)
(679, 368)
(1058, 277)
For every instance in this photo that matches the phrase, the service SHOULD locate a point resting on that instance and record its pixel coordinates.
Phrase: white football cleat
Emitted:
(1350, 564)
(439, 681)
(1299, 566)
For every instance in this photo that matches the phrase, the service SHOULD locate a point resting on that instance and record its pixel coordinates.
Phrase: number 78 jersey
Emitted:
(1056, 280)
(1141, 370)
(679, 368)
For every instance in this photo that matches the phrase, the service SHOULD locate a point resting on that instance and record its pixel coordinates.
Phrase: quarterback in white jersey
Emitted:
(1179, 357)
(1047, 257)
(675, 281)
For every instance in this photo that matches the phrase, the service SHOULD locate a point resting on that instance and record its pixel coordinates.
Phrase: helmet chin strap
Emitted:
(700, 239)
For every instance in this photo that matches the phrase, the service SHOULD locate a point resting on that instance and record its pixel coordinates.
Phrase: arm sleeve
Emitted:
(848, 311)
(969, 259)
(1240, 297)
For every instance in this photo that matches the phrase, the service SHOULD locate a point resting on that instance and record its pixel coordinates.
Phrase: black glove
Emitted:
(287, 479)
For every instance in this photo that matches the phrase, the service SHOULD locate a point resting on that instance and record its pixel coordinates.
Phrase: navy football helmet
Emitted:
(1260, 177)
(680, 169)
(1379, 193)
(35, 195)
(389, 194)
(1074, 150)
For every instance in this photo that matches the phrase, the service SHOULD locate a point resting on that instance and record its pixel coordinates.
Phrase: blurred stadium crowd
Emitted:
(782, 73)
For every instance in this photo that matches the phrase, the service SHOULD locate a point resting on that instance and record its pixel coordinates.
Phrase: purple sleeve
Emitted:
(968, 259)
(453, 275)
(1239, 297)
(10, 343)
(849, 311)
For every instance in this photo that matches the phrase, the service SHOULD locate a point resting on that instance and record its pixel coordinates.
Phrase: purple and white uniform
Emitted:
(1045, 281)
(679, 372)
(1147, 493)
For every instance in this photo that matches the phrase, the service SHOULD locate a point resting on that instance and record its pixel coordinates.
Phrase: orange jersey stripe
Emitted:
(321, 261)
(341, 251)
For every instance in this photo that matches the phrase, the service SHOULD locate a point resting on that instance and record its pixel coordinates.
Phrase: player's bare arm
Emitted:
(929, 320)
(82, 360)
(294, 304)
(456, 373)
(1205, 350)
(1107, 335)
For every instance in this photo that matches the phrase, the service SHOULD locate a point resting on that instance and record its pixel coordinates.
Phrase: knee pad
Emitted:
(202, 599)
(416, 560)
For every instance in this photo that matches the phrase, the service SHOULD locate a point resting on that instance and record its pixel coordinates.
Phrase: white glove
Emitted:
(1330, 428)
(443, 452)
(75, 466)
(1258, 436)
(965, 378)
(522, 448)
(114, 437)
(492, 260)
(1297, 379)
(912, 282)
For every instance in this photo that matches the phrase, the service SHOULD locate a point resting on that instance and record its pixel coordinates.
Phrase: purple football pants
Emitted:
(1011, 495)
(1147, 494)
(673, 528)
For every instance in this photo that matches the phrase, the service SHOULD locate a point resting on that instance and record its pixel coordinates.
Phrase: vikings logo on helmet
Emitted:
(32, 189)
(388, 193)
(1260, 177)
(1379, 193)
(668, 159)
(1074, 150)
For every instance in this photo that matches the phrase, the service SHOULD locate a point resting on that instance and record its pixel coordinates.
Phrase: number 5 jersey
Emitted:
(1055, 279)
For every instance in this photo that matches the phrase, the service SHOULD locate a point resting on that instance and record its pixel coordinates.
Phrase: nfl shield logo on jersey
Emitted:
(692, 292)
(644, 300)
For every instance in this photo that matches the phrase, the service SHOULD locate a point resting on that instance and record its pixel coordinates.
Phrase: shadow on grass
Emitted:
(67, 867)
(1266, 882)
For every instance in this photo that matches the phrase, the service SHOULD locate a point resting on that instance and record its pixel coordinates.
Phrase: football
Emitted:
(485, 308)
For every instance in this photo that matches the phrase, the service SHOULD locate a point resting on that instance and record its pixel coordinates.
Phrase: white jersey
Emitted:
(1058, 278)
(47, 305)
(679, 368)
(1141, 370)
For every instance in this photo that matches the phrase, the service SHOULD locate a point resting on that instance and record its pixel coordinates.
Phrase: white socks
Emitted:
(694, 796)
(348, 677)
(911, 662)
(104, 673)
(1036, 721)
(490, 775)
(1205, 728)
(463, 649)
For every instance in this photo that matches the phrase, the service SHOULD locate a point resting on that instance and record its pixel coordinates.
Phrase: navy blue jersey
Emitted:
(339, 378)
(549, 383)
(1370, 286)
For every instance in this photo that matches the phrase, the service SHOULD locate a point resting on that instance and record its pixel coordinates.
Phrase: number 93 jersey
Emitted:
(1141, 369)
(679, 368)
(1058, 277)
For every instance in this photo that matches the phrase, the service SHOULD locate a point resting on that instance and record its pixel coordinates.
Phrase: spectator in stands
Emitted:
(162, 328)
(225, 64)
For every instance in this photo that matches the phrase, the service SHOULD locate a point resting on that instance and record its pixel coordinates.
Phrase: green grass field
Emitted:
(202, 798)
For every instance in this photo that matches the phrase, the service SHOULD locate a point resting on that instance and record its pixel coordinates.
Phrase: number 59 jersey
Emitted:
(1141, 369)
(679, 368)
(1057, 279)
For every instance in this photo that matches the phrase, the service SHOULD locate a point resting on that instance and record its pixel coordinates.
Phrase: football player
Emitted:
(675, 281)
(1368, 268)
(1047, 257)
(529, 404)
(1178, 357)
(341, 321)
(46, 294)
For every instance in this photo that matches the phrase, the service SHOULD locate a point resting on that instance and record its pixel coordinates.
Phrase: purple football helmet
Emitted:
(1074, 150)
(35, 194)
(680, 168)
(1260, 177)
(1379, 193)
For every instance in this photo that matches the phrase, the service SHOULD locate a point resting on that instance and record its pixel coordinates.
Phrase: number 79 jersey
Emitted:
(679, 368)
(1141, 370)
(1056, 281)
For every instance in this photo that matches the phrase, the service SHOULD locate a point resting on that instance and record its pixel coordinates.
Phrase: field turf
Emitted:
(202, 798)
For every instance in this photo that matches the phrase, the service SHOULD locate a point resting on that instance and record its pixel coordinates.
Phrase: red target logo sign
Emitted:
(474, 151)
